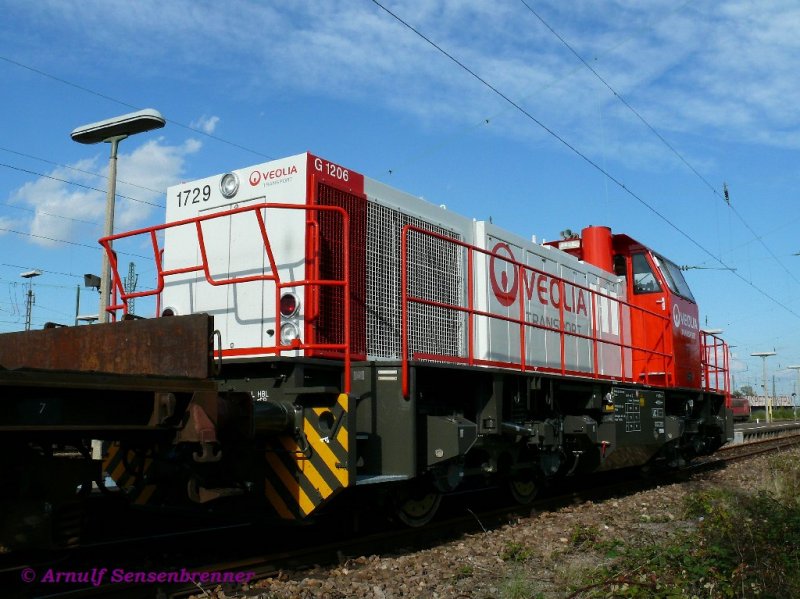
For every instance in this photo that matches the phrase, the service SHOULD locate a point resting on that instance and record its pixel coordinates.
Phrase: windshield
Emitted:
(674, 277)
(644, 279)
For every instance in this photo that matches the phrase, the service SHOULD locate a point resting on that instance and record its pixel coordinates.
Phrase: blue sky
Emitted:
(710, 94)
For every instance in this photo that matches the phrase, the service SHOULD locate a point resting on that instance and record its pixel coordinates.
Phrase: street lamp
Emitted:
(767, 399)
(91, 281)
(113, 131)
(796, 389)
(30, 297)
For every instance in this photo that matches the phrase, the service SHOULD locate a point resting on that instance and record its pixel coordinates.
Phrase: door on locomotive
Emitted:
(665, 328)
(684, 325)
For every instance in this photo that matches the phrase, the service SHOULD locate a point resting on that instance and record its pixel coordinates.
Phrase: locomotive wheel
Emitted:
(523, 489)
(417, 506)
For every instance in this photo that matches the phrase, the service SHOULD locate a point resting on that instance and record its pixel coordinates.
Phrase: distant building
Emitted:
(781, 401)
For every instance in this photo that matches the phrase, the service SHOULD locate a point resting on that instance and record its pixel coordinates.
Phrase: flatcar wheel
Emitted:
(523, 489)
(417, 507)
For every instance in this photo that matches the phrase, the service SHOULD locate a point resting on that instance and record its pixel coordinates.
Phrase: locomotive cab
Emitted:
(656, 284)
(665, 333)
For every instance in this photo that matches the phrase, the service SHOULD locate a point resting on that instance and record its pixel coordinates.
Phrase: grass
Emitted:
(746, 543)
(777, 414)
(518, 586)
(515, 552)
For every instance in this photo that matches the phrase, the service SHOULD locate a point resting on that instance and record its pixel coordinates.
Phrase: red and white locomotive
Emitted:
(367, 337)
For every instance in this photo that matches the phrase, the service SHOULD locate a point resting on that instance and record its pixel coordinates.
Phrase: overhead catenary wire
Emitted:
(53, 239)
(60, 216)
(745, 245)
(88, 187)
(44, 270)
(132, 106)
(79, 170)
(554, 81)
(68, 182)
(75, 183)
(669, 146)
(75, 243)
(211, 136)
(580, 154)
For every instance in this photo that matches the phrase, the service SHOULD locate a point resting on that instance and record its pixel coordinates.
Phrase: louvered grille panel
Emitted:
(435, 273)
(330, 320)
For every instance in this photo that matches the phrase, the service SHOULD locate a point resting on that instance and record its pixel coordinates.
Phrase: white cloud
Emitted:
(144, 174)
(7, 224)
(721, 70)
(206, 124)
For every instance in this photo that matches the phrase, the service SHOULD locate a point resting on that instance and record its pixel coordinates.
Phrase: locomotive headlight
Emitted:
(289, 332)
(229, 185)
(289, 304)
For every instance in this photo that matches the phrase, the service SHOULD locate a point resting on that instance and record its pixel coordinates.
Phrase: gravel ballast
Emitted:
(543, 555)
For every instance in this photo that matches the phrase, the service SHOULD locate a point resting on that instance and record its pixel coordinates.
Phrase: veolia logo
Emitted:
(272, 175)
(681, 319)
(549, 291)
(505, 292)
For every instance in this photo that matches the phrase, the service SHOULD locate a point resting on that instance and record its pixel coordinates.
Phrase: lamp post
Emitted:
(796, 389)
(30, 298)
(113, 131)
(91, 281)
(767, 400)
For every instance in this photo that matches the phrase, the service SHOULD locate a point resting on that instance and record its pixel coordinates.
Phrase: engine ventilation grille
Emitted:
(330, 322)
(435, 273)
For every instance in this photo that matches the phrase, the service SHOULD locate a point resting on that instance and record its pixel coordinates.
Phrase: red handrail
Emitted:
(471, 312)
(121, 296)
(715, 365)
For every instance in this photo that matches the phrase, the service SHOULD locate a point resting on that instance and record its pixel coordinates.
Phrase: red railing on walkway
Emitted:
(715, 365)
(272, 274)
(657, 357)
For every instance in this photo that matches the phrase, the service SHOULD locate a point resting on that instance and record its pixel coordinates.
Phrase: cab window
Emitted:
(644, 279)
(674, 277)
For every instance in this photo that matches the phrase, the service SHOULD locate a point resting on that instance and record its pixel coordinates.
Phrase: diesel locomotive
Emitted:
(319, 332)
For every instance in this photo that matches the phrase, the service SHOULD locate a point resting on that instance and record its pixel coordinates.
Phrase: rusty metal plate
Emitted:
(178, 346)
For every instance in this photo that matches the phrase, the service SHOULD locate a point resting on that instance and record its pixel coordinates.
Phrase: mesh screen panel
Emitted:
(435, 273)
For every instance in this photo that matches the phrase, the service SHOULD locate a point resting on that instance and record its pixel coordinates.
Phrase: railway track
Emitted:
(464, 514)
(742, 451)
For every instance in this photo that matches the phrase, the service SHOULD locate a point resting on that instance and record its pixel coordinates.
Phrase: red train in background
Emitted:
(319, 333)
(740, 406)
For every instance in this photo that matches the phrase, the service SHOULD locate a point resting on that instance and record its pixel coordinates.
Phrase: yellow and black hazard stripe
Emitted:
(306, 469)
(129, 469)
